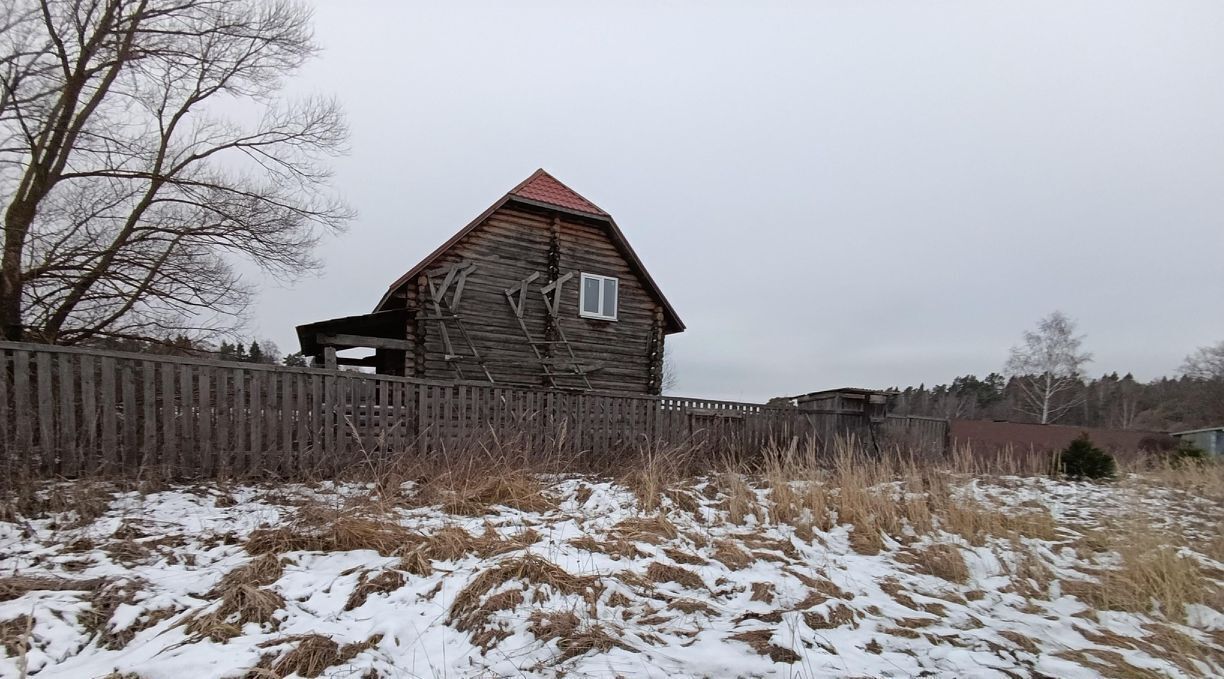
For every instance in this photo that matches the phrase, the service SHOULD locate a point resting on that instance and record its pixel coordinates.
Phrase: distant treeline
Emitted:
(1110, 401)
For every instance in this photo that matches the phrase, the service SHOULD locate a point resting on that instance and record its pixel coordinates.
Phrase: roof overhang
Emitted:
(1196, 431)
(390, 324)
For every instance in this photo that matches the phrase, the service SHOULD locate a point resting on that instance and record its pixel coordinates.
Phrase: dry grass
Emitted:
(684, 557)
(1149, 576)
(103, 603)
(731, 555)
(382, 583)
(473, 608)
(617, 548)
(261, 571)
(311, 655)
(451, 543)
(763, 592)
(15, 635)
(940, 560)
(661, 572)
(655, 472)
(740, 500)
(761, 641)
(317, 528)
(240, 605)
(14, 586)
(839, 615)
(474, 491)
(574, 636)
(654, 529)
(690, 606)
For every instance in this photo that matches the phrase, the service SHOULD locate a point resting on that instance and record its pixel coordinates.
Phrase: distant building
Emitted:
(847, 400)
(1210, 439)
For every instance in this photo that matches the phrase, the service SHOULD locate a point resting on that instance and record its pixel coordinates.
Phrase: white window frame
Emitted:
(603, 281)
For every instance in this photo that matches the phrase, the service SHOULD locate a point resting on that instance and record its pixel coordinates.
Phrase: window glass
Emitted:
(609, 298)
(590, 295)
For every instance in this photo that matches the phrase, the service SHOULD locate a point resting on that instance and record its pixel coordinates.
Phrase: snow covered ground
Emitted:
(209, 581)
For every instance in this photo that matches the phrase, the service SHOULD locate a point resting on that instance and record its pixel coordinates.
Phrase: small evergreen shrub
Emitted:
(1082, 460)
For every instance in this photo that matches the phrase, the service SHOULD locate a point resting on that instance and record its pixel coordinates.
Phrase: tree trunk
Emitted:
(17, 220)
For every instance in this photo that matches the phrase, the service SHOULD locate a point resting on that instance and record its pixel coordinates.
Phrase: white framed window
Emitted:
(597, 297)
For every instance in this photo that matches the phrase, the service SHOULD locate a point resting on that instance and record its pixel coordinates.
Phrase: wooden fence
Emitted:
(70, 411)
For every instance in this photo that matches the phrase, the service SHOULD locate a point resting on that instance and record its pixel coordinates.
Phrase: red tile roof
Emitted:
(545, 188)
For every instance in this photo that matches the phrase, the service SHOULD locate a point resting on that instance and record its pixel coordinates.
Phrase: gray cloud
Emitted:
(830, 193)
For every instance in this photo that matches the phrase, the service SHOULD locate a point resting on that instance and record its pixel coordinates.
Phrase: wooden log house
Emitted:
(542, 289)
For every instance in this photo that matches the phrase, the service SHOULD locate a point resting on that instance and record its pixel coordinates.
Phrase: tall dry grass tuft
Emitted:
(1151, 574)
(655, 471)
(739, 498)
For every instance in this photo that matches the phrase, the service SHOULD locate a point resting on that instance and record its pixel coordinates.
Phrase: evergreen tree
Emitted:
(296, 360)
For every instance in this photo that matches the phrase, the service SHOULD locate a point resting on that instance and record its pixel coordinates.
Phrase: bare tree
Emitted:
(1206, 363)
(129, 191)
(667, 382)
(1047, 368)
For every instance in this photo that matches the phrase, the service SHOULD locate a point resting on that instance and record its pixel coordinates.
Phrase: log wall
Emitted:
(513, 243)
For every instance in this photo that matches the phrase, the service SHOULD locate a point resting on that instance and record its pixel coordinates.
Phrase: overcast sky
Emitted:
(829, 193)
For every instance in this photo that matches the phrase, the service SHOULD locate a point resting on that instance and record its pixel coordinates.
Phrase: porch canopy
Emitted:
(383, 331)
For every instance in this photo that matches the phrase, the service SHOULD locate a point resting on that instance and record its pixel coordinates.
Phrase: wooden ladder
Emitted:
(517, 297)
(444, 311)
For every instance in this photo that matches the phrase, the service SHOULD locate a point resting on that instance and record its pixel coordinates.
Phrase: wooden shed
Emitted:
(541, 289)
(848, 400)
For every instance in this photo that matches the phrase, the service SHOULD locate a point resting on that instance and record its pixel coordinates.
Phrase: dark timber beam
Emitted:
(351, 341)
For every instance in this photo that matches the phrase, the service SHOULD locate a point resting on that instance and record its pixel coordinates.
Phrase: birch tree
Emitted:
(145, 147)
(1047, 367)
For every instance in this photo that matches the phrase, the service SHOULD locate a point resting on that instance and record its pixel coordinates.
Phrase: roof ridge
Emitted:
(545, 188)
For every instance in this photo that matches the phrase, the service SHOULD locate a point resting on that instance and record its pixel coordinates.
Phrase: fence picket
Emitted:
(127, 392)
(205, 429)
(110, 448)
(69, 453)
(149, 449)
(89, 416)
(8, 452)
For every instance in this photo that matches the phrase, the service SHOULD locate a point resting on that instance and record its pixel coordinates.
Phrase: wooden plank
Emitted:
(255, 422)
(189, 456)
(317, 420)
(70, 452)
(207, 466)
(301, 420)
(8, 446)
(241, 456)
(149, 451)
(327, 420)
(46, 413)
(89, 416)
(127, 391)
(169, 417)
(110, 414)
(362, 341)
(224, 450)
(344, 389)
(23, 408)
(271, 407)
(285, 413)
